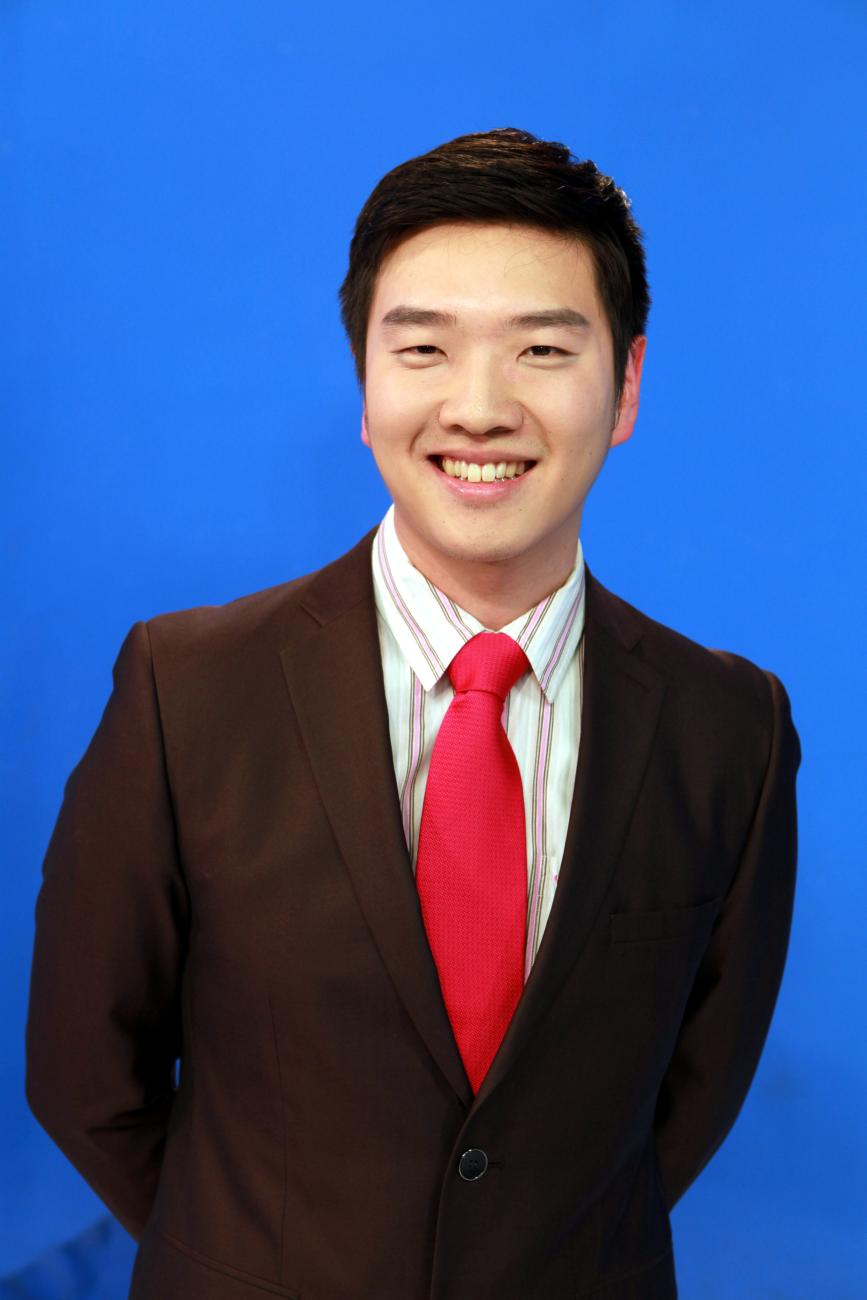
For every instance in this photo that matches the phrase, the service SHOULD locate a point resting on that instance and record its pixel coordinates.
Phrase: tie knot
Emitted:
(489, 661)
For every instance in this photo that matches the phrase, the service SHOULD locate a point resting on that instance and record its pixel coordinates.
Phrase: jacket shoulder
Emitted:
(262, 621)
(707, 680)
(239, 619)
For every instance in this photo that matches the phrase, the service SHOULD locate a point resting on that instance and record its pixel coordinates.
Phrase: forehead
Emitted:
(486, 267)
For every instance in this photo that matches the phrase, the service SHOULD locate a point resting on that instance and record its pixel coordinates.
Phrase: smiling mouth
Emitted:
(489, 472)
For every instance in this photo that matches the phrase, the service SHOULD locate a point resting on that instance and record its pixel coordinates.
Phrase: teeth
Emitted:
(470, 472)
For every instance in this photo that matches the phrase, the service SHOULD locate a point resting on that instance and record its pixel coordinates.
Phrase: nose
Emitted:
(479, 402)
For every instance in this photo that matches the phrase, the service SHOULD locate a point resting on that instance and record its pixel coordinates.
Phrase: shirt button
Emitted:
(472, 1164)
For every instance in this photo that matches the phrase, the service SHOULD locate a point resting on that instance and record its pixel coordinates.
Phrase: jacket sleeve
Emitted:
(103, 1031)
(735, 990)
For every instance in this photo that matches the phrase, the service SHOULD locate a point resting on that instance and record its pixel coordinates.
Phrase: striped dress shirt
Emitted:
(420, 632)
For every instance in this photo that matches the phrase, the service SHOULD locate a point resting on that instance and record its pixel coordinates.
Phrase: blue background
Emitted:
(180, 426)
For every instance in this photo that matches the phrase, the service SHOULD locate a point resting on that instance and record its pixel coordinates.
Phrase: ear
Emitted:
(365, 436)
(627, 411)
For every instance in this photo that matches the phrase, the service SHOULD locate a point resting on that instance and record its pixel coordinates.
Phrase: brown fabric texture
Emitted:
(228, 885)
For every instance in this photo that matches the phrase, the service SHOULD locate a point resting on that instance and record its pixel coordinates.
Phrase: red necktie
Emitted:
(471, 871)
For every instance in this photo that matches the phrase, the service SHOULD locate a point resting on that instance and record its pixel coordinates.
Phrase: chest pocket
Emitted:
(671, 924)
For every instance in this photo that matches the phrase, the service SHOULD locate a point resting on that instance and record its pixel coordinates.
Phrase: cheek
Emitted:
(396, 409)
(573, 398)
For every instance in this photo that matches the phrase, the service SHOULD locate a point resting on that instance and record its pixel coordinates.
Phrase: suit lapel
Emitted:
(334, 673)
(622, 696)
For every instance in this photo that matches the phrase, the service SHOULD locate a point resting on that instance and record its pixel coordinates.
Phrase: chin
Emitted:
(457, 542)
(482, 552)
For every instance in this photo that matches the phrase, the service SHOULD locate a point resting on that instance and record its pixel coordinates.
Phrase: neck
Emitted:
(496, 591)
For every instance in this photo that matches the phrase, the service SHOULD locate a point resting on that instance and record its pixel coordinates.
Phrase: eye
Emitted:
(546, 350)
(418, 355)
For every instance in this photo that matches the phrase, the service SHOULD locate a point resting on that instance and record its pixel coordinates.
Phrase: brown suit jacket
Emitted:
(228, 885)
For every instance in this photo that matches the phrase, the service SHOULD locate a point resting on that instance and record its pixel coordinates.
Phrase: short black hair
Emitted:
(507, 176)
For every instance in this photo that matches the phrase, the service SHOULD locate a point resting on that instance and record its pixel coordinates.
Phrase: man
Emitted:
(459, 888)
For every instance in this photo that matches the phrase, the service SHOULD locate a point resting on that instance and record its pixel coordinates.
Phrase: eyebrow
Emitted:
(553, 316)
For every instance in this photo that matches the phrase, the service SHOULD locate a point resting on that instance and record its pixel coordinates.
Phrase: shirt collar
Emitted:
(430, 628)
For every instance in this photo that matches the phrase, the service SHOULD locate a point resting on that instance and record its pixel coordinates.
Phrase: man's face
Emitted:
(489, 397)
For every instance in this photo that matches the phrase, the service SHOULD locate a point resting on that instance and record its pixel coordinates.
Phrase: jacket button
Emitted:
(472, 1164)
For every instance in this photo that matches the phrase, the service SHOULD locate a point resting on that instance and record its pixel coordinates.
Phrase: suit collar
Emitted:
(331, 591)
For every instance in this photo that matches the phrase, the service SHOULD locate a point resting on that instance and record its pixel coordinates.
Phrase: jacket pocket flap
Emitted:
(675, 923)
